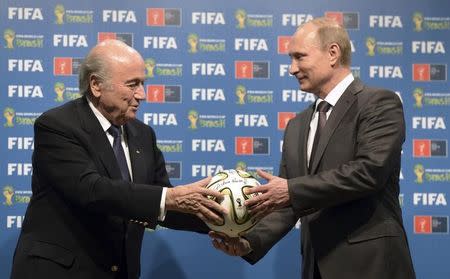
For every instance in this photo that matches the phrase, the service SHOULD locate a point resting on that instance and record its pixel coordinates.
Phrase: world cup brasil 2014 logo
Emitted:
(9, 114)
(193, 118)
(8, 193)
(9, 35)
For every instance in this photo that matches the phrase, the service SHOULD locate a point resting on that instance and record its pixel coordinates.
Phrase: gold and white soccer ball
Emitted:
(231, 183)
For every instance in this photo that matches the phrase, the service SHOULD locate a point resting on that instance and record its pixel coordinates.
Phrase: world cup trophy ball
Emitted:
(232, 183)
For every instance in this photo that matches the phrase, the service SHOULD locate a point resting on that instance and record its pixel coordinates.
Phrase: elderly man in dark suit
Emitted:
(99, 179)
(339, 171)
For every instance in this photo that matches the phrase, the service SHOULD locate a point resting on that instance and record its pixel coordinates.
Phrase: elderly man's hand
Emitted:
(193, 198)
(272, 196)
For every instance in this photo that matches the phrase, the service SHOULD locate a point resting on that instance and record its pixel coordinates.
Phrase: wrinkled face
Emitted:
(119, 97)
(309, 64)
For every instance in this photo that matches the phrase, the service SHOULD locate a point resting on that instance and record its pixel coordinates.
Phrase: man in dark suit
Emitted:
(346, 193)
(95, 189)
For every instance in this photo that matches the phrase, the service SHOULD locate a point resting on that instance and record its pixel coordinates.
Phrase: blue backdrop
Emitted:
(219, 96)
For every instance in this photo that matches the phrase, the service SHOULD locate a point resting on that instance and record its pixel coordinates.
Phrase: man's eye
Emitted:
(134, 85)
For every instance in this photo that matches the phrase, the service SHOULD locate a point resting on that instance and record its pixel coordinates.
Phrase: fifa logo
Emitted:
(9, 114)
(419, 171)
(59, 89)
(150, 67)
(244, 147)
(421, 69)
(371, 44)
(241, 17)
(59, 14)
(418, 97)
(193, 118)
(9, 35)
(8, 193)
(422, 225)
(193, 43)
(240, 94)
(418, 21)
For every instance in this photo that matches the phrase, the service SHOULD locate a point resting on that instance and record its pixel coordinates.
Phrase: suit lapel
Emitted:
(303, 140)
(338, 112)
(98, 139)
(135, 147)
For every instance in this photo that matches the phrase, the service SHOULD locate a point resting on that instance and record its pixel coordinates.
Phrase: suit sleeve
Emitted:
(174, 220)
(62, 161)
(380, 134)
(272, 227)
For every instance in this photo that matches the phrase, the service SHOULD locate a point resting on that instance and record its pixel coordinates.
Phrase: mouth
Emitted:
(301, 78)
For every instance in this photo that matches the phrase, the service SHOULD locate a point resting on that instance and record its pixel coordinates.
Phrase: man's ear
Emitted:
(96, 86)
(334, 52)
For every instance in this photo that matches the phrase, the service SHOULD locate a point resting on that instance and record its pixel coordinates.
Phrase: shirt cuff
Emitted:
(162, 205)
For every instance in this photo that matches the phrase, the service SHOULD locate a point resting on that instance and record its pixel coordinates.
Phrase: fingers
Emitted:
(234, 246)
(225, 245)
(210, 211)
(254, 200)
(219, 235)
(264, 174)
(257, 189)
(212, 205)
(203, 182)
(208, 216)
(210, 192)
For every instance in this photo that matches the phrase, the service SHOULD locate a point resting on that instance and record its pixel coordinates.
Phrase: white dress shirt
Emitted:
(332, 99)
(105, 125)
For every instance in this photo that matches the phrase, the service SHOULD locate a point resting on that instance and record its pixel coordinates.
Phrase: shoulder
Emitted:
(372, 94)
(63, 114)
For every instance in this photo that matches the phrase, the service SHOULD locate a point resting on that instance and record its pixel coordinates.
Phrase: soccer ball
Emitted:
(231, 183)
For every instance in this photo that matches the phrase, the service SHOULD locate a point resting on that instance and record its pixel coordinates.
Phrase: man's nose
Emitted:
(140, 92)
(293, 68)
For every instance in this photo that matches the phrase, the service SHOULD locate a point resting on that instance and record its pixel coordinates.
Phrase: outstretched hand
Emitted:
(272, 196)
(194, 199)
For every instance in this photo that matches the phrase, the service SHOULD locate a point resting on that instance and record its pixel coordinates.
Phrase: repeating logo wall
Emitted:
(220, 95)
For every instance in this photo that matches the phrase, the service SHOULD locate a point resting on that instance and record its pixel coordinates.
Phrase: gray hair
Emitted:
(93, 65)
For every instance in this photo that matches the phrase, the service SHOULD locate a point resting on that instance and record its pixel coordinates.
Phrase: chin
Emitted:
(130, 117)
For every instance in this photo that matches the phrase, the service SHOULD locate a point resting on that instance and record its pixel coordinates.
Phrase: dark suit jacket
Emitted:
(80, 210)
(351, 221)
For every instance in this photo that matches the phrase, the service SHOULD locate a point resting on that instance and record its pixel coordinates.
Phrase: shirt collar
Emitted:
(102, 119)
(338, 90)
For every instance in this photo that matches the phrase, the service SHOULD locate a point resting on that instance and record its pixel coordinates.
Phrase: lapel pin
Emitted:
(138, 152)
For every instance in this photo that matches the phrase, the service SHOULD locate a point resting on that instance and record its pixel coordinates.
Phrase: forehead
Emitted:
(128, 67)
(303, 38)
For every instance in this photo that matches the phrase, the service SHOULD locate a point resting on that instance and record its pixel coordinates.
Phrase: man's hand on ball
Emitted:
(271, 196)
(193, 198)
(233, 246)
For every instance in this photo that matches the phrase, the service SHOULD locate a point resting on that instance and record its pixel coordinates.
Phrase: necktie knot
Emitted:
(323, 106)
(115, 131)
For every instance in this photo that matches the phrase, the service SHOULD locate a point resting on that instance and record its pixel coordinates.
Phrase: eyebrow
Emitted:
(136, 80)
(296, 53)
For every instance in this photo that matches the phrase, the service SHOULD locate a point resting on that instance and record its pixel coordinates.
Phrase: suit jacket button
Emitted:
(114, 268)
